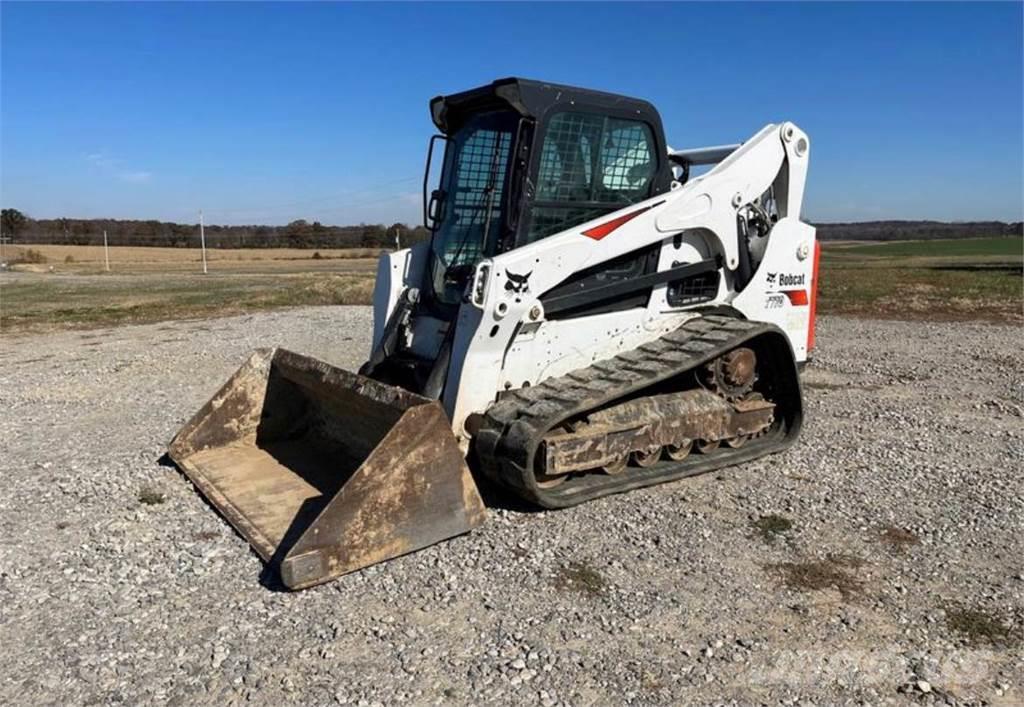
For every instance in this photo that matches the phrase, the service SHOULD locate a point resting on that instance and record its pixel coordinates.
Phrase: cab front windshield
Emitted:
(474, 181)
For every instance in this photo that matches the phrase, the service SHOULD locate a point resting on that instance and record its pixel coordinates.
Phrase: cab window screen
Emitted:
(565, 160)
(474, 179)
(589, 165)
(479, 179)
(627, 164)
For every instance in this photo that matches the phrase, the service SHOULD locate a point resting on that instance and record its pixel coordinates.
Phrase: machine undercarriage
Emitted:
(647, 416)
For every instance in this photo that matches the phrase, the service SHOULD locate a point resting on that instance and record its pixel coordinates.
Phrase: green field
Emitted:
(973, 248)
(968, 279)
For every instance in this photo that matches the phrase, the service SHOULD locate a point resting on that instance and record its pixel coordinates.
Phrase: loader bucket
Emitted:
(324, 471)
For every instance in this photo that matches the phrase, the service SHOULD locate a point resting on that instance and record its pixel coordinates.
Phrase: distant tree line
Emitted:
(303, 234)
(915, 230)
(297, 234)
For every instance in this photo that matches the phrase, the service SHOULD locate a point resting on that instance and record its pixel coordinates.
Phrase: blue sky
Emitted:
(272, 112)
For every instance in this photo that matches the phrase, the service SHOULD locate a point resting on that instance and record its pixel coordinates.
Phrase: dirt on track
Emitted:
(880, 560)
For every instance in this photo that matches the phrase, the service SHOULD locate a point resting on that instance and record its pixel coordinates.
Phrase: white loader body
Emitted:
(504, 341)
(587, 319)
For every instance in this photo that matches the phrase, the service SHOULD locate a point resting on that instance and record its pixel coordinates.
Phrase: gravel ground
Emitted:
(900, 576)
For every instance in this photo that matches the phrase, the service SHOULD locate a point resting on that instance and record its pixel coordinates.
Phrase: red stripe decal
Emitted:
(797, 298)
(599, 232)
(814, 295)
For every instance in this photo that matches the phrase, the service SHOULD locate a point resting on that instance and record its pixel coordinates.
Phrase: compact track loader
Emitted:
(588, 317)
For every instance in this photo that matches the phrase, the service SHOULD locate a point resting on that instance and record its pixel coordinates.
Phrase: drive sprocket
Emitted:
(732, 375)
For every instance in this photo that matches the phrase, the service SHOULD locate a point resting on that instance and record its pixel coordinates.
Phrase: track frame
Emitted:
(512, 429)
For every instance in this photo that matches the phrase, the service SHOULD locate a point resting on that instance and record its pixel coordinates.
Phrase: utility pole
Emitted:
(106, 252)
(202, 239)
(398, 237)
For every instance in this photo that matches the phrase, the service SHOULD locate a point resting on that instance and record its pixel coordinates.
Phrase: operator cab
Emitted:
(524, 160)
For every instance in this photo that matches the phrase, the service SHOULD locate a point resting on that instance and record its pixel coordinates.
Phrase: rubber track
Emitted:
(514, 427)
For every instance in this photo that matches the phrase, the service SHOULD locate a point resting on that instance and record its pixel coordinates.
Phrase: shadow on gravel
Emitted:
(494, 496)
(771, 527)
(270, 579)
(150, 495)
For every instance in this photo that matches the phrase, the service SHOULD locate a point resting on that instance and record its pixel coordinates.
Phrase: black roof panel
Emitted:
(529, 98)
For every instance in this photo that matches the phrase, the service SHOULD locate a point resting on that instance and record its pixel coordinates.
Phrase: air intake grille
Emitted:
(695, 289)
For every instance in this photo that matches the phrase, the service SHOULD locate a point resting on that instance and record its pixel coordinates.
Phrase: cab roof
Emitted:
(531, 99)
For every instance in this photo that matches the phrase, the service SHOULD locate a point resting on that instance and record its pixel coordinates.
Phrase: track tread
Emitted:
(514, 426)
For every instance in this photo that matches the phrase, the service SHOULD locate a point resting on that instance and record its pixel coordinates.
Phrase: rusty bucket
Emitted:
(324, 471)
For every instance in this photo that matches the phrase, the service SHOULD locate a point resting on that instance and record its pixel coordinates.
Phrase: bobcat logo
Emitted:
(771, 278)
(519, 284)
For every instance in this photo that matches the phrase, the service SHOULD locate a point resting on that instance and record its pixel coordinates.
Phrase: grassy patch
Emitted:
(580, 577)
(920, 293)
(772, 526)
(151, 496)
(981, 626)
(69, 302)
(968, 279)
(833, 572)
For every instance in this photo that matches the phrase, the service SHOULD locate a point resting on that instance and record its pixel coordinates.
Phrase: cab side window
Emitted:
(590, 165)
(627, 161)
